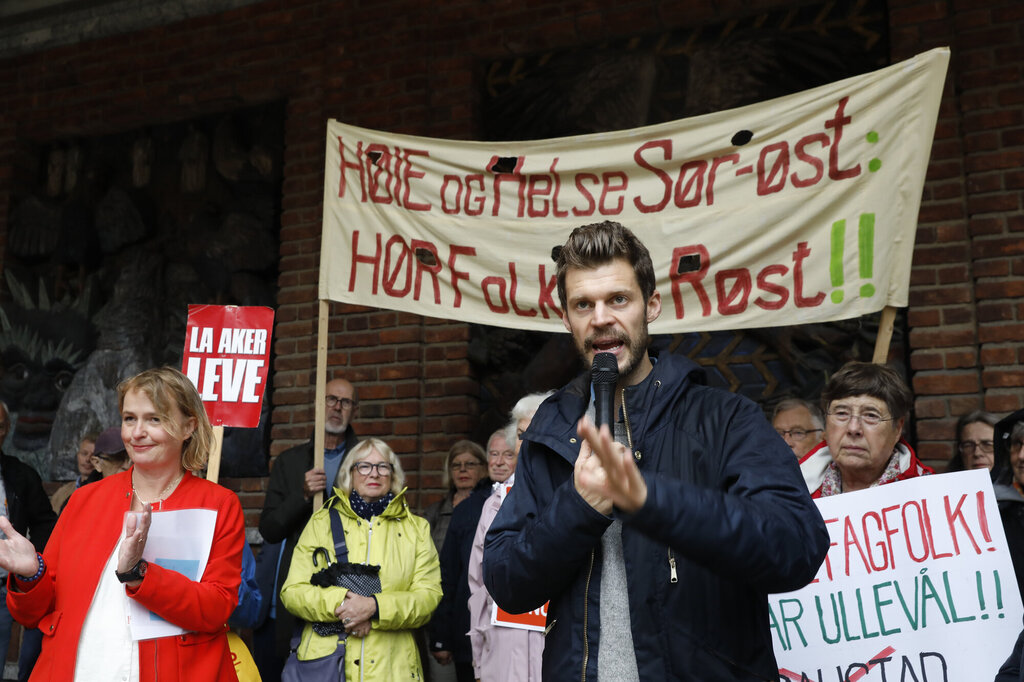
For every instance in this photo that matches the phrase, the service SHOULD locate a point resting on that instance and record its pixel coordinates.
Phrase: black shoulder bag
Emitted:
(363, 579)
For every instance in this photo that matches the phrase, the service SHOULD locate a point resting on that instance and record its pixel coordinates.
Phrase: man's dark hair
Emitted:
(590, 246)
(876, 381)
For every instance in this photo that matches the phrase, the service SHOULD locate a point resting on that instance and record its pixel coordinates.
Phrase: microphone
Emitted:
(603, 376)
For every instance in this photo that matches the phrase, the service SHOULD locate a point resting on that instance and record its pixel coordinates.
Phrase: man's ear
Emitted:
(654, 306)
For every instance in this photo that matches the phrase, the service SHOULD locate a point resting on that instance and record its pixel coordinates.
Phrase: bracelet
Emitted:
(39, 573)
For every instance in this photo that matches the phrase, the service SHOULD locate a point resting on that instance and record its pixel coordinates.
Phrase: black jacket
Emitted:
(1011, 513)
(28, 507)
(450, 623)
(1012, 669)
(727, 521)
(286, 512)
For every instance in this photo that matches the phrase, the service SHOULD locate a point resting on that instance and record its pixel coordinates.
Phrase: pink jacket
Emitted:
(500, 654)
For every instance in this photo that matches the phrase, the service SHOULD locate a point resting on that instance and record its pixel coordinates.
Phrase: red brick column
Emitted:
(966, 316)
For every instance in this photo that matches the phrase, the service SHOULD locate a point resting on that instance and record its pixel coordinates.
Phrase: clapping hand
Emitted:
(17, 554)
(136, 530)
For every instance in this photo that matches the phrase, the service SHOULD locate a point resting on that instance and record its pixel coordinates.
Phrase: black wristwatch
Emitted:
(136, 573)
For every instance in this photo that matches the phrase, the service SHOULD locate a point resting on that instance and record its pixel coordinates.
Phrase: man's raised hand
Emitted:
(605, 473)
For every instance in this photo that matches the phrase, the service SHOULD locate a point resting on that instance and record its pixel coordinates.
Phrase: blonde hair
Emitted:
(360, 452)
(167, 388)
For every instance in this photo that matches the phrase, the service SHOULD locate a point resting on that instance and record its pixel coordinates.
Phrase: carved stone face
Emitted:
(40, 352)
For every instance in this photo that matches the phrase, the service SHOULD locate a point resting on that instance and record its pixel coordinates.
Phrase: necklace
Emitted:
(159, 498)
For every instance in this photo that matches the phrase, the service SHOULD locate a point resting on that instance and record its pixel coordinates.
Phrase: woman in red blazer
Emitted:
(78, 591)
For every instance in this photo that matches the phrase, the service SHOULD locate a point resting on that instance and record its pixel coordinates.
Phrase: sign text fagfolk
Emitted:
(917, 585)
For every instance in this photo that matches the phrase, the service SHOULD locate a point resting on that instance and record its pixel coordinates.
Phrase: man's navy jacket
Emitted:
(727, 521)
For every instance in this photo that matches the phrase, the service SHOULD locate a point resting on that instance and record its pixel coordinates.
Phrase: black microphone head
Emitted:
(605, 370)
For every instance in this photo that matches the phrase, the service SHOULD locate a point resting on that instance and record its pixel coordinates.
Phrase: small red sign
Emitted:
(532, 620)
(227, 357)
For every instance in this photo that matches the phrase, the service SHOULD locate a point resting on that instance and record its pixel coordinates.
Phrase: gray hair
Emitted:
(1017, 435)
(499, 433)
(792, 403)
(976, 417)
(525, 408)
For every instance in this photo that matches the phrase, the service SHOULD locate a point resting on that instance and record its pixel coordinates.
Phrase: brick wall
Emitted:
(966, 307)
(413, 67)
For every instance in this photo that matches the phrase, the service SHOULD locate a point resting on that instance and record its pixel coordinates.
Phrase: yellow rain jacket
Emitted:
(397, 541)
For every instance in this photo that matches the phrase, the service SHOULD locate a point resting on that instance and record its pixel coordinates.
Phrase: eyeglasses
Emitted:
(968, 447)
(364, 468)
(507, 455)
(465, 466)
(346, 403)
(842, 416)
(106, 457)
(796, 434)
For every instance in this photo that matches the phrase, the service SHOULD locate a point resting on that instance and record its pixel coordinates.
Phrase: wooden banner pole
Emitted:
(884, 337)
(321, 389)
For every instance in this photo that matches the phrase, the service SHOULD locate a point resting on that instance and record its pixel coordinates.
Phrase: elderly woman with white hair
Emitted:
(502, 653)
(369, 501)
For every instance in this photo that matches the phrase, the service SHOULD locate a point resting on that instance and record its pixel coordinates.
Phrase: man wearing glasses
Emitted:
(799, 423)
(294, 481)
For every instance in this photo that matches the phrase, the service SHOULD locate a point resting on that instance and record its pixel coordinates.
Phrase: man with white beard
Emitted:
(294, 481)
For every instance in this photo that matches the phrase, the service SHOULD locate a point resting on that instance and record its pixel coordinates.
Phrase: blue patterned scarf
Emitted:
(367, 510)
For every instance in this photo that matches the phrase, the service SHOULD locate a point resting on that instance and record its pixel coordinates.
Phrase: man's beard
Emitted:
(335, 430)
(634, 348)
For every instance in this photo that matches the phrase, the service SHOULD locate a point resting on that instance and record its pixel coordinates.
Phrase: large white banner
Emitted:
(917, 585)
(796, 210)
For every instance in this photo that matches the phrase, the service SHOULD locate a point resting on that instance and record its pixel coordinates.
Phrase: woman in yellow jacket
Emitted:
(380, 531)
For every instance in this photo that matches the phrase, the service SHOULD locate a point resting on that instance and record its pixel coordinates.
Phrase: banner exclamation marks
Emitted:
(983, 520)
(835, 267)
(866, 246)
(999, 594)
(981, 594)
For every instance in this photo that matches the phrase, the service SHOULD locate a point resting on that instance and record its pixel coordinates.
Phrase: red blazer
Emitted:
(83, 540)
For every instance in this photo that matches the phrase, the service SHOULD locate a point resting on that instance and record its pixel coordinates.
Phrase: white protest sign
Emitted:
(917, 585)
(178, 540)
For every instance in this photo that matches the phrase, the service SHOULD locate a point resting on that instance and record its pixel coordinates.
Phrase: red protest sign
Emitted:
(531, 620)
(227, 357)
